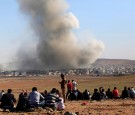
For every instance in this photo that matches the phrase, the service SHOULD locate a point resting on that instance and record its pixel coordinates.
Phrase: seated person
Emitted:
(86, 95)
(109, 94)
(79, 95)
(23, 103)
(73, 95)
(96, 95)
(7, 101)
(102, 94)
(35, 98)
(44, 93)
(132, 93)
(115, 93)
(1, 93)
(125, 93)
(52, 99)
(60, 103)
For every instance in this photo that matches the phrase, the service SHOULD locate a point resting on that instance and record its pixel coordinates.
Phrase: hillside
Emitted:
(114, 62)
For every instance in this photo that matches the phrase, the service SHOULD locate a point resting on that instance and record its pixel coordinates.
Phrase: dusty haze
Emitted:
(57, 45)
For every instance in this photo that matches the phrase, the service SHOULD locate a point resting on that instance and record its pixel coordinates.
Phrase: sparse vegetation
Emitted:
(48, 82)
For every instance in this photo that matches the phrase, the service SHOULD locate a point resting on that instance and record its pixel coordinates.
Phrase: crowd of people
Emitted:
(54, 99)
(100, 93)
(34, 99)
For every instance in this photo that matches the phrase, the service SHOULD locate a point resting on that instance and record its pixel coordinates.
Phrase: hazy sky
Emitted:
(110, 21)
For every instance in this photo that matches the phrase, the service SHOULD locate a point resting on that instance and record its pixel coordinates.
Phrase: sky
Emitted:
(110, 21)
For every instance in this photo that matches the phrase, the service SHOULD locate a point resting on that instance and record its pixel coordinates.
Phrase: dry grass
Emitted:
(108, 107)
(48, 82)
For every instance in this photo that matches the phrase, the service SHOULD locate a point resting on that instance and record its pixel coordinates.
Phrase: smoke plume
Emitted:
(57, 46)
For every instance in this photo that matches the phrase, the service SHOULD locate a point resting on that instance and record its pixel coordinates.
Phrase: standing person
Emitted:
(69, 89)
(74, 85)
(35, 98)
(62, 83)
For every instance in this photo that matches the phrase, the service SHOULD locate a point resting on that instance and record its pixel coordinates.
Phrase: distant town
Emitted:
(102, 67)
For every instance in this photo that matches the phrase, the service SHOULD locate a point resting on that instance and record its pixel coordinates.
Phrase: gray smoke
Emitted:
(57, 46)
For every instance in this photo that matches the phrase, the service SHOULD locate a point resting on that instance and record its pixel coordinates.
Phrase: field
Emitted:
(84, 82)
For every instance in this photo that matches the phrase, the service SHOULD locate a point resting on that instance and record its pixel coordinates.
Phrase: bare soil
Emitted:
(104, 107)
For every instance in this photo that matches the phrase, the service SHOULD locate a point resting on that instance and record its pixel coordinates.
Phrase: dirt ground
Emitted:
(104, 107)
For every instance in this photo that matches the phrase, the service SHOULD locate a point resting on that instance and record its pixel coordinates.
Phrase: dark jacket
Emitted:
(125, 94)
(23, 103)
(7, 100)
(96, 96)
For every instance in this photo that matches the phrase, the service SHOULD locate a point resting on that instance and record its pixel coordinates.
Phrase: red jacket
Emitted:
(116, 93)
(69, 86)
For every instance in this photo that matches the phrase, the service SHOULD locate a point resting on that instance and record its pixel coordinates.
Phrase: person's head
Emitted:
(72, 80)
(95, 90)
(34, 89)
(57, 92)
(62, 76)
(103, 90)
(100, 88)
(68, 81)
(132, 88)
(60, 95)
(9, 90)
(53, 90)
(2, 91)
(115, 88)
(45, 92)
(129, 88)
(25, 94)
(24, 91)
(125, 88)
(108, 89)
